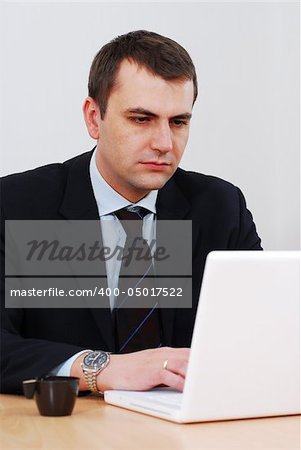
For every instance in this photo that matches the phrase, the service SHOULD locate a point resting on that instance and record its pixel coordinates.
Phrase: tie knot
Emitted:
(131, 213)
(132, 220)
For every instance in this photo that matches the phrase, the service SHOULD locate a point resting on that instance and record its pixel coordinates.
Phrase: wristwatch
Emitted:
(93, 363)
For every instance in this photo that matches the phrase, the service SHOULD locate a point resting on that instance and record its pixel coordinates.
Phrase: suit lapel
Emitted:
(79, 204)
(171, 205)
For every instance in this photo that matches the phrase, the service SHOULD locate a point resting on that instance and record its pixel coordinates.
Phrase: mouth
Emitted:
(154, 165)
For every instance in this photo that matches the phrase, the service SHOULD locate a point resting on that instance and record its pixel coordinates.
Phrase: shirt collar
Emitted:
(108, 200)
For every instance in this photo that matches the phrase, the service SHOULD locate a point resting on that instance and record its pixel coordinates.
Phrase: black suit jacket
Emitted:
(34, 341)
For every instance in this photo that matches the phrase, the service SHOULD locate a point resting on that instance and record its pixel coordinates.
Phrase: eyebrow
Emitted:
(146, 112)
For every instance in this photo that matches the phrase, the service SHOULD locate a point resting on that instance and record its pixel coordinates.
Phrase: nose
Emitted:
(162, 138)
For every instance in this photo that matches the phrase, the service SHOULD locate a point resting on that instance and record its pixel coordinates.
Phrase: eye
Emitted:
(179, 122)
(139, 120)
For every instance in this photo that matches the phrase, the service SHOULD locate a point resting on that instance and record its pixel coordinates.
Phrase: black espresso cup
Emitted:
(54, 396)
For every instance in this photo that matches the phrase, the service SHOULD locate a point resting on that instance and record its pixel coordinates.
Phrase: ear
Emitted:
(92, 117)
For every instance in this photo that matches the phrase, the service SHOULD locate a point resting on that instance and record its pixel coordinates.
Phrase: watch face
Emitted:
(95, 359)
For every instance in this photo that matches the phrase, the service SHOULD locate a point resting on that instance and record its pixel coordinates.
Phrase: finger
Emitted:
(178, 366)
(172, 380)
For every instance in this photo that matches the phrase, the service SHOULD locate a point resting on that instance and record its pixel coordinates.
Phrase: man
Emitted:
(142, 88)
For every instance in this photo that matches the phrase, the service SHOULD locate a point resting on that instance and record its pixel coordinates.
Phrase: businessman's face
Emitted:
(144, 132)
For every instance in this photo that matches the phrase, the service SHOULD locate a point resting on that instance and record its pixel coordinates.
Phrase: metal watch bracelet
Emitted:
(91, 380)
(91, 370)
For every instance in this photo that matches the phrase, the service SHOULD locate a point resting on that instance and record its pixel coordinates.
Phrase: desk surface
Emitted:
(95, 424)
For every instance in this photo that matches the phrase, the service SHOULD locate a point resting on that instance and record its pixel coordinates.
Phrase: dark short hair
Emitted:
(159, 54)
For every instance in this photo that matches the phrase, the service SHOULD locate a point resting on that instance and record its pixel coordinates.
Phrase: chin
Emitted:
(154, 184)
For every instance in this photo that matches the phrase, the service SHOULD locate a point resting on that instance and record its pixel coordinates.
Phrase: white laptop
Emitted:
(245, 351)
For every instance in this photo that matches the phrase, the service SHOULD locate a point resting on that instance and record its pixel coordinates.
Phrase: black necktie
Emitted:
(137, 328)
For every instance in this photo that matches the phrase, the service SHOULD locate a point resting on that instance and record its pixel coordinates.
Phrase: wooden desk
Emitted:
(95, 424)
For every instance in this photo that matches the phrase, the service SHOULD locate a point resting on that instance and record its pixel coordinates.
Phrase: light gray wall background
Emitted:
(246, 122)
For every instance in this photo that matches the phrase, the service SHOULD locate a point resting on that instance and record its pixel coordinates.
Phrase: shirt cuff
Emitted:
(64, 369)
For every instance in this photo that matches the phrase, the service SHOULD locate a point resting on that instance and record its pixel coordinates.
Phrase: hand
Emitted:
(144, 370)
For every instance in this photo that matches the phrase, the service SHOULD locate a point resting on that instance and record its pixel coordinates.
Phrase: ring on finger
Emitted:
(165, 364)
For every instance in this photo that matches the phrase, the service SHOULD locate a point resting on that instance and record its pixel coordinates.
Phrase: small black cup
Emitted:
(54, 396)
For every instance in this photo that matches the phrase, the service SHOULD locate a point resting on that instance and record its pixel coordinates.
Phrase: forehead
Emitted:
(135, 86)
